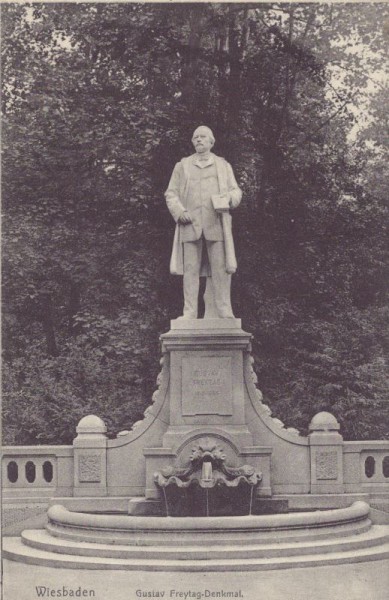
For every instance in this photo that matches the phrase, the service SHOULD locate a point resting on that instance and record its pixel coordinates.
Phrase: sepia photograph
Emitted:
(195, 398)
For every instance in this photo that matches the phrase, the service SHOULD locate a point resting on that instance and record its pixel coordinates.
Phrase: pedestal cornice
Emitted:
(200, 334)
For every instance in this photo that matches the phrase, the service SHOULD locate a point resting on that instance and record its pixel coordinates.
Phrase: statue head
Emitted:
(203, 139)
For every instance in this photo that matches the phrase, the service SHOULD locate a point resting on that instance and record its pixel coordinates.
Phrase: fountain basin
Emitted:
(184, 531)
(75, 540)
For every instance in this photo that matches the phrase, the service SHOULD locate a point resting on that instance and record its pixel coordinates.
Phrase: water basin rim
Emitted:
(357, 511)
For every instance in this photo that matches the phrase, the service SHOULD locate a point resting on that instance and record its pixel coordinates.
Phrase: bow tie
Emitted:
(205, 162)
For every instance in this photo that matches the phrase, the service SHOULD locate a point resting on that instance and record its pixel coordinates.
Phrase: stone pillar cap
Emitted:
(324, 421)
(91, 424)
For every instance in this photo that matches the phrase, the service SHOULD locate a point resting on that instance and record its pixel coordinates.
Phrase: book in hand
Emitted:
(221, 202)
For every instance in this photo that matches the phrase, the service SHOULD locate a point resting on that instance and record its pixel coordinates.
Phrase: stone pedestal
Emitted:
(206, 397)
(206, 377)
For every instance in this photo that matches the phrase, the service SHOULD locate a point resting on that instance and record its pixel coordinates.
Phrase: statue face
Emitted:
(201, 140)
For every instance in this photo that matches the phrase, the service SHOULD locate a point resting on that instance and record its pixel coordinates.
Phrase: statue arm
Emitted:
(233, 188)
(172, 193)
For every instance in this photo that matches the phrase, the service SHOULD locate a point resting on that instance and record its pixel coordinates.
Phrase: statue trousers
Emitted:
(218, 291)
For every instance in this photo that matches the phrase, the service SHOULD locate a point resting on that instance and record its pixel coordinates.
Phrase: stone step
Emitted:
(378, 516)
(42, 540)
(14, 549)
(380, 504)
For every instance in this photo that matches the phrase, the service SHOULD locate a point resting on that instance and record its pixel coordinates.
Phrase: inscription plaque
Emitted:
(89, 468)
(327, 465)
(206, 386)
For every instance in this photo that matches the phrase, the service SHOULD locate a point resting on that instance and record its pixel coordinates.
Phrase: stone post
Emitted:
(90, 457)
(326, 451)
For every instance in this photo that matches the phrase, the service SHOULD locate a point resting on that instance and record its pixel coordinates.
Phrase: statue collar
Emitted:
(203, 163)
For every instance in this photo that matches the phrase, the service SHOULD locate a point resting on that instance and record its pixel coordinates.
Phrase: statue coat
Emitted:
(177, 201)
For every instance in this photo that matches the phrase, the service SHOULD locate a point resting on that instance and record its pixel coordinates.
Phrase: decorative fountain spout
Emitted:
(207, 469)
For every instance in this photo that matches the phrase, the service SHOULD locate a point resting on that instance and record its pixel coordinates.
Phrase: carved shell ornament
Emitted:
(207, 468)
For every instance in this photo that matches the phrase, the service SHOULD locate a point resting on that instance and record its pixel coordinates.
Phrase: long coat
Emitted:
(176, 196)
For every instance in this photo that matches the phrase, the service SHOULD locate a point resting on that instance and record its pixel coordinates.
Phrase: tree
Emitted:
(99, 102)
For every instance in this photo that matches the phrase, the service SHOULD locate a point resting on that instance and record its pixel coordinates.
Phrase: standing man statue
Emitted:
(201, 191)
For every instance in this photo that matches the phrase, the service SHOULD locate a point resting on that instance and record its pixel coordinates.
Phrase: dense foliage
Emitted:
(99, 101)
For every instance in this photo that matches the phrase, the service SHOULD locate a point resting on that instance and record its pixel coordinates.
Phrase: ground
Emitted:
(360, 581)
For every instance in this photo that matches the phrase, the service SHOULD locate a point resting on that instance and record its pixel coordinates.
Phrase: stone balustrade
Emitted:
(32, 471)
(366, 466)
